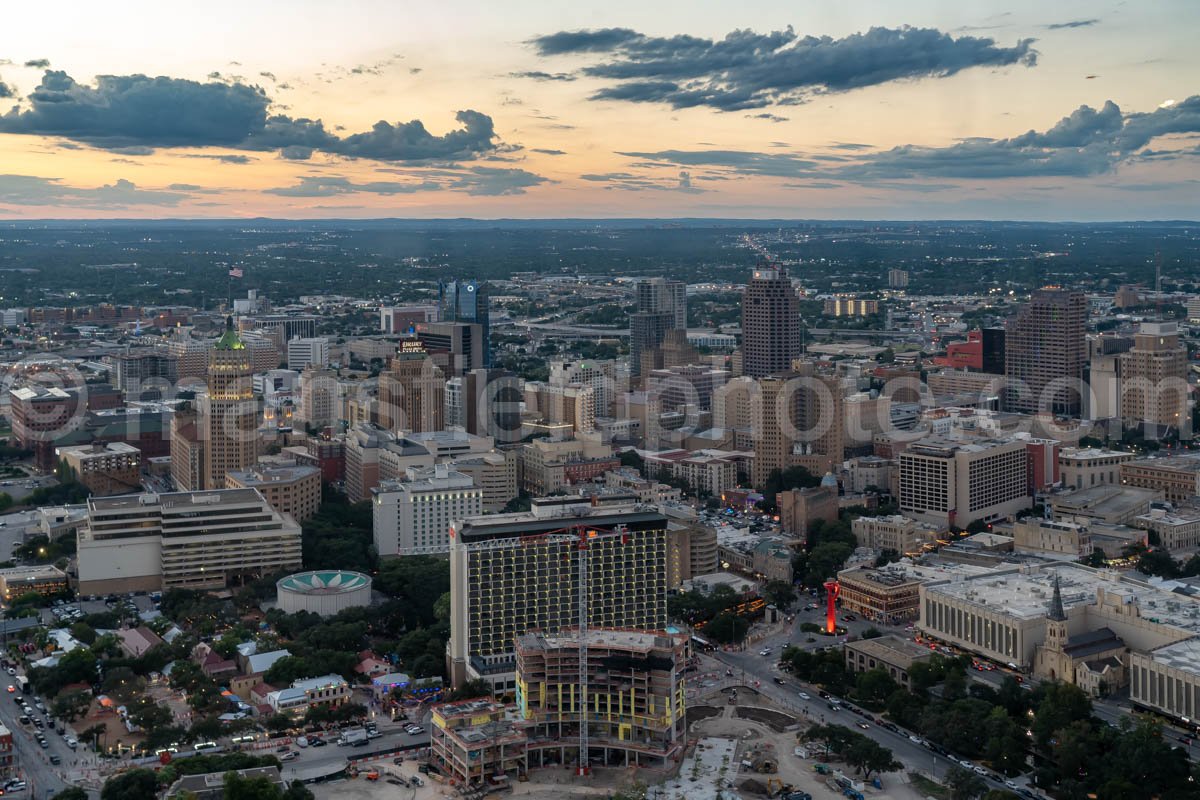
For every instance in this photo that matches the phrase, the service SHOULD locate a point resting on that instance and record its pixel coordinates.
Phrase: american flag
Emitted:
(235, 272)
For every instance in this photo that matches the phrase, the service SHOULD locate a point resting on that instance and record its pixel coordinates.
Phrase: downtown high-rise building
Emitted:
(412, 392)
(770, 323)
(661, 308)
(1154, 386)
(468, 301)
(1045, 350)
(229, 416)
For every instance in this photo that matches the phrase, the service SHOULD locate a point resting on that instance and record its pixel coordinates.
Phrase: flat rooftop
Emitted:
(1025, 593)
(599, 637)
(1183, 655)
(176, 499)
(1175, 463)
(891, 649)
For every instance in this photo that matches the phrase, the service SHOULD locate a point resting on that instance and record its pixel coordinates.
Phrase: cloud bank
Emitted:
(748, 70)
(124, 111)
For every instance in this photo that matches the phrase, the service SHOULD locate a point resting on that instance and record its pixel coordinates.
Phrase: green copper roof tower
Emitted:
(229, 339)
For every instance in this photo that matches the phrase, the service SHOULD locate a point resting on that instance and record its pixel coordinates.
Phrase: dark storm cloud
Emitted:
(549, 152)
(594, 41)
(124, 111)
(750, 70)
(31, 190)
(543, 76)
(38, 63)
(1079, 23)
(6, 90)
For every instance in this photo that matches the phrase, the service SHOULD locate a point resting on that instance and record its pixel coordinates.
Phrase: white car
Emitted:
(766, 651)
(804, 696)
(967, 764)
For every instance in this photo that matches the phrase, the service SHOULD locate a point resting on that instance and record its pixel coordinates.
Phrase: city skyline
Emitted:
(1065, 112)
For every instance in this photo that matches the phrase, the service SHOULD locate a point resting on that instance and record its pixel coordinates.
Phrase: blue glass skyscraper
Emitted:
(467, 301)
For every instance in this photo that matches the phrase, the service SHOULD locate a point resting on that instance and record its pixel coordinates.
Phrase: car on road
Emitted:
(912, 737)
(15, 785)
(981, 772)
(778, 680)
(55, 759)
(766, 651)
(72, 742)
(290, 755)
(804, 696)
(318, 742)
(863, 725)
(967, 764)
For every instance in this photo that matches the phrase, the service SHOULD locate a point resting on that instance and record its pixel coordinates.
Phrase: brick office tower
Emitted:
(1045, 343)
(770, 324)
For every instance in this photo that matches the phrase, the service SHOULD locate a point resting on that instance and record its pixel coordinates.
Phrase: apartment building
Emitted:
(291, 489)
(633, 702)
(189, 540)
(105, 468)
(770, 323)
(952, 484)
(415, 515)
(512, 573)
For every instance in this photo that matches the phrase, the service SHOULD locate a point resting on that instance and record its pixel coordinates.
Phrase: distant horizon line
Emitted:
(9, 221)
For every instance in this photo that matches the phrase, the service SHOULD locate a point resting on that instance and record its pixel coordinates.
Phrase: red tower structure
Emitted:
(831, 595)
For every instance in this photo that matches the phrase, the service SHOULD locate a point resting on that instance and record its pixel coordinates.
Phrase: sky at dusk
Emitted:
(307, 109)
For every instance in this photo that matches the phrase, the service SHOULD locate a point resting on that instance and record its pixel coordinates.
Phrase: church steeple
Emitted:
(1057, 612)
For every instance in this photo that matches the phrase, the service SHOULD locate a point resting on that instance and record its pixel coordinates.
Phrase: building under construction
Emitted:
(629, 686)
(538, 570)
(472, 744)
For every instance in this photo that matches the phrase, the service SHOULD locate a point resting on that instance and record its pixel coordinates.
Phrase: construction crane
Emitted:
(587, 535)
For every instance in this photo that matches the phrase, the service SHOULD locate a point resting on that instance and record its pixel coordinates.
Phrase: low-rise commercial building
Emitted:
(1177, 477)
(296, 700)
(1116, 505)
(1177, 531)
(892, 654)
(887, 596)
(1049, 538)
(896, 532)
(1090, 466)
(45, 580)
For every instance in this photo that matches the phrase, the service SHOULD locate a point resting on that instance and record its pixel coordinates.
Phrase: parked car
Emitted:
(290, 755)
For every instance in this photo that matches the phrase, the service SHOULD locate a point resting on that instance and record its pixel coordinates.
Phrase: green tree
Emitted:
(873, 688)
(780, 594)
(727, 628)
(71, 793)
(868, 757)
(964, 784)
(469, 690)
(259, 787)
(134, 784)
